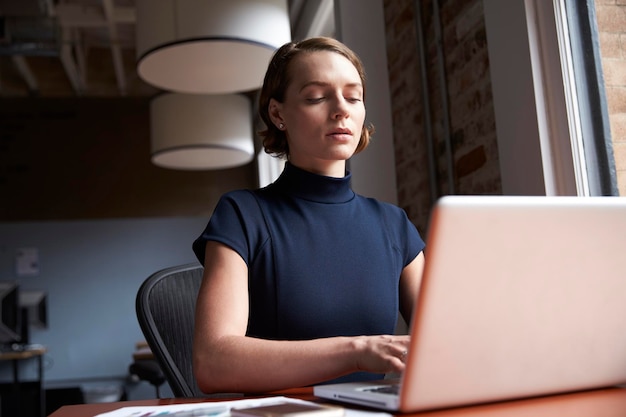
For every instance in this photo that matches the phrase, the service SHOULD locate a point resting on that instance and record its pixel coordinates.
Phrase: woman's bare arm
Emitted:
(410, 282)
(226, 360)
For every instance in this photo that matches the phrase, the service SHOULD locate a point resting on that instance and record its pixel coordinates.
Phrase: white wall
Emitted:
(360, 24)
(91, 271)
(514, 98)
(533, 122)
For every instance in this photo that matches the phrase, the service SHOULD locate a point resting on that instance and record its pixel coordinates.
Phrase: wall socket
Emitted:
(27, 262)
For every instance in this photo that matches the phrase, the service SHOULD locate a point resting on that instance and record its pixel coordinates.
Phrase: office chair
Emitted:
(165, 305)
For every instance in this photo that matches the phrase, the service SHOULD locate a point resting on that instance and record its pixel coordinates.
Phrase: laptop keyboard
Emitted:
(387, 389)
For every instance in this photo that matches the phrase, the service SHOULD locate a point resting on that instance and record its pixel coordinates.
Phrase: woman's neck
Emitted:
(336, 168)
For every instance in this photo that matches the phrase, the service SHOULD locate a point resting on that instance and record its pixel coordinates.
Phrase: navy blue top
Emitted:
(322, 260)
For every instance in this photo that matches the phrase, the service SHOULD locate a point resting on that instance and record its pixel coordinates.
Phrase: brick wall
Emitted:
(461, 115)
(459, 110)
(611, 18)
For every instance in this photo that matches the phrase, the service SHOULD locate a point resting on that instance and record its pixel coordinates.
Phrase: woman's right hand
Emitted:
(381, 354)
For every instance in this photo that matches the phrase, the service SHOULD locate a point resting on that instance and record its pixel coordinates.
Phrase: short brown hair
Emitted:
(277, 79)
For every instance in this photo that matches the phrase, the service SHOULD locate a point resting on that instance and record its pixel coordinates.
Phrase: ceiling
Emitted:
(86, 48)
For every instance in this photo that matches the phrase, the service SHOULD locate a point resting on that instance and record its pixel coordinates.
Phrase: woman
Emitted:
(303, 279)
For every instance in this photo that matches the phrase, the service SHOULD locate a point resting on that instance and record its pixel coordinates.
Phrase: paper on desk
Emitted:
(216, 409)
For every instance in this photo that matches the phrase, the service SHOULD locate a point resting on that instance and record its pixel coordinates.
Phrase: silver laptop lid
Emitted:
(521, 296)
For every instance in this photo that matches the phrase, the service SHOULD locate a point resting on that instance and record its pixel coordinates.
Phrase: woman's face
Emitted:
(323, 111)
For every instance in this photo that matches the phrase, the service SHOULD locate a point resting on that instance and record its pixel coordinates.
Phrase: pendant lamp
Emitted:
(201, 132)
(208, 47)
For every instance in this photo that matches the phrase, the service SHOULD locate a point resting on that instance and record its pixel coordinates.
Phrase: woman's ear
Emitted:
(275, 112)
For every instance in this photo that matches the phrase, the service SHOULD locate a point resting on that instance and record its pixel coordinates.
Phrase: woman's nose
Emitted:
(341, 108)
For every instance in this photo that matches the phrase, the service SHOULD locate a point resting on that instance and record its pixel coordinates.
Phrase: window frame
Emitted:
(547, 81)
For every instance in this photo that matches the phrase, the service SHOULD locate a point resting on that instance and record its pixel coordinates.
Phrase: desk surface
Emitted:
(610, 402)
(22, 354)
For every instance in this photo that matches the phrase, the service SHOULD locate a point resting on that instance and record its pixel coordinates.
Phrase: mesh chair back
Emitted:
(165, 305)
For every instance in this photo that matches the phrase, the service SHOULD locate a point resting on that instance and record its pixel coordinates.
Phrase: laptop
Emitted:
(521, 297)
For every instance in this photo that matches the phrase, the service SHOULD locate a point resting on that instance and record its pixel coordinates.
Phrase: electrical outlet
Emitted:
(27, 262)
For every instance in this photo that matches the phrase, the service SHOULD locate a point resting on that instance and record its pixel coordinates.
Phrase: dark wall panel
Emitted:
(82, 158)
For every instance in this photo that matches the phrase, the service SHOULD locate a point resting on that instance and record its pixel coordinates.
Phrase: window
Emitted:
(551, 117)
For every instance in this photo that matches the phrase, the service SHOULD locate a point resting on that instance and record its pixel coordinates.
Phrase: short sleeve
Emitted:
(415, 243)
(237, 222)
(404, 234)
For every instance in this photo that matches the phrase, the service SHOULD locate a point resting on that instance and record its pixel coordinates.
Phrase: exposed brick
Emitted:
(611, 18)
(614, 72)
(610, 45)
(618, 130)
(468, 20)
(471, 161)
(619, 153)
(621, 182)
(616, 99)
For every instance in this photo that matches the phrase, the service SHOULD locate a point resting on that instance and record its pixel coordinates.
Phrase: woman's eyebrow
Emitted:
(313, 84)
(325, 84)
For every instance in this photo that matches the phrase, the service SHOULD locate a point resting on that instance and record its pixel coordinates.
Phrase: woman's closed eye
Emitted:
(315, 100)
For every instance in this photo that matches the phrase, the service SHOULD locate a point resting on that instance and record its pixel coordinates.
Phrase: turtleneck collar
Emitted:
(313, 187)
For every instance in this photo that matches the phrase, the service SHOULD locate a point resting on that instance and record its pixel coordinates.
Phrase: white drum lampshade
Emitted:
(201, 132)
(208, 47)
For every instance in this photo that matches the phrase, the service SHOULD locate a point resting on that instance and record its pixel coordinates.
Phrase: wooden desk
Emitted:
(15, 357)
(22, 354)
(610, 402)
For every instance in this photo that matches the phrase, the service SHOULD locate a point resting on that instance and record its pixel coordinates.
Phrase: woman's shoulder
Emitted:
(382, 206)
(240, 196)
